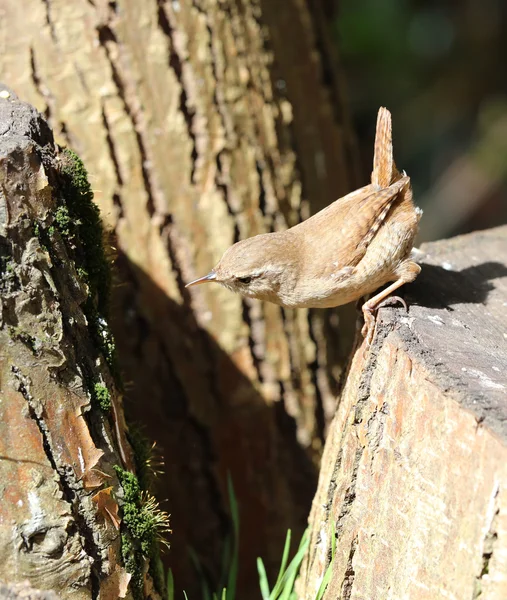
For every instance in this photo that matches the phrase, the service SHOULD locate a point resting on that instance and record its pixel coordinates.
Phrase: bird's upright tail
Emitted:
(384, 169)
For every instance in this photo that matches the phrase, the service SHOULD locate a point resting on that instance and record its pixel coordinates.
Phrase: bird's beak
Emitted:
(209, 277)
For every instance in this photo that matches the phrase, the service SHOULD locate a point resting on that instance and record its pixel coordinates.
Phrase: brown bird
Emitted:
(346, 251)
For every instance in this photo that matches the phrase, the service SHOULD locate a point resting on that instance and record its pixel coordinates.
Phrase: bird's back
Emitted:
(336, 240)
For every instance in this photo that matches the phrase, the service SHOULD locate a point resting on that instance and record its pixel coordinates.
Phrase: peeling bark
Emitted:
(200, 124)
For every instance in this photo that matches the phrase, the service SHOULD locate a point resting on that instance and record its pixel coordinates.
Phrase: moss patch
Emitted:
(80, 218)
(63, 223)
(103, 338)
(102, 396)
(136, 542)
(137, 520)
(78, 221)
(145, 524)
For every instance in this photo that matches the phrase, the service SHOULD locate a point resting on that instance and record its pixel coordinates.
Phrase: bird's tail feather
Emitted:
(384, 169)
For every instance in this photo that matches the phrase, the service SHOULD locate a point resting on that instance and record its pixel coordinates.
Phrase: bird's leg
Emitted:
(408, 274)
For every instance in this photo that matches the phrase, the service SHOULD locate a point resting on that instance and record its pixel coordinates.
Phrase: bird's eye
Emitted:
(244, 279)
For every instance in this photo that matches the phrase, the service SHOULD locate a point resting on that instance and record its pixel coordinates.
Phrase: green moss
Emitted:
(103, 338)
(63, 223)
(133, 565)
(78, 221)
(145, 524)
(81, 215)
(131, 544)
(137, 522)
(102, 396)
(157, 570)
(41, 235)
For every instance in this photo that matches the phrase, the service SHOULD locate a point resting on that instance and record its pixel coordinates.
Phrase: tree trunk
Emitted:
(202, 123)
(64, 458)
(413, 484)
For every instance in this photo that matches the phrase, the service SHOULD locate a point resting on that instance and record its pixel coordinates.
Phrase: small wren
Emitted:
(344, 252)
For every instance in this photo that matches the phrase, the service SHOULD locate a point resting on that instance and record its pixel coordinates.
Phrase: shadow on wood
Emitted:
(208, 419)
(443, 287)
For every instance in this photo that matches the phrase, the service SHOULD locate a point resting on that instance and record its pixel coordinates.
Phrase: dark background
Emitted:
(440, 67)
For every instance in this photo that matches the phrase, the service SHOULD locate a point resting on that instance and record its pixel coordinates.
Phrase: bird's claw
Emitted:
(391, 301)
(370, 321)
(368, 329)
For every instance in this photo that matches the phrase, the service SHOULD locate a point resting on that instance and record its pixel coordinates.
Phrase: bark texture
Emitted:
(18, 591)
(202, 122)
(61, 421)
(414, 473)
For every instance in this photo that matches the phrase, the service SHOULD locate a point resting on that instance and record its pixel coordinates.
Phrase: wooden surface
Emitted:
(414, 475)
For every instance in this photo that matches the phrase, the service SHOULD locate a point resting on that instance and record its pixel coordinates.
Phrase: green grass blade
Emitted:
(224, 594)
(304, 538)
(170, 585)
(185, 594)
(233, 569)
(281, 582)
(233, 576)
(287, 583)
(327, 575)
(285, 558)
(226, 562)
(263, 580)
(325, 581)
(205, 591)
(233, 504)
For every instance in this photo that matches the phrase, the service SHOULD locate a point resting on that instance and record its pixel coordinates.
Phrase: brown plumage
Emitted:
(346, 251)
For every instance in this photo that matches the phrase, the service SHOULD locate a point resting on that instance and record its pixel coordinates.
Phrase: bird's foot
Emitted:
(369, 312)
(392, 301)
(369, 325)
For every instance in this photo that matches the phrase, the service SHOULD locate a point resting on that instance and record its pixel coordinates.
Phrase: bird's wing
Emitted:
(367, 217)
(347, 227)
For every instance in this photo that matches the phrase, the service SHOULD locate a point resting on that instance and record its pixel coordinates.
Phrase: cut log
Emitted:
(413, 482)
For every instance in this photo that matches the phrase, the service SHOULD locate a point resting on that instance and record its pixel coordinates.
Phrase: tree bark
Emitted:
(413, 483)
(17, 591)
(202, 123)
(61, 425)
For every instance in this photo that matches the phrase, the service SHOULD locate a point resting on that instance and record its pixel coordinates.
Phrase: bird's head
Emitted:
(259, 267)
